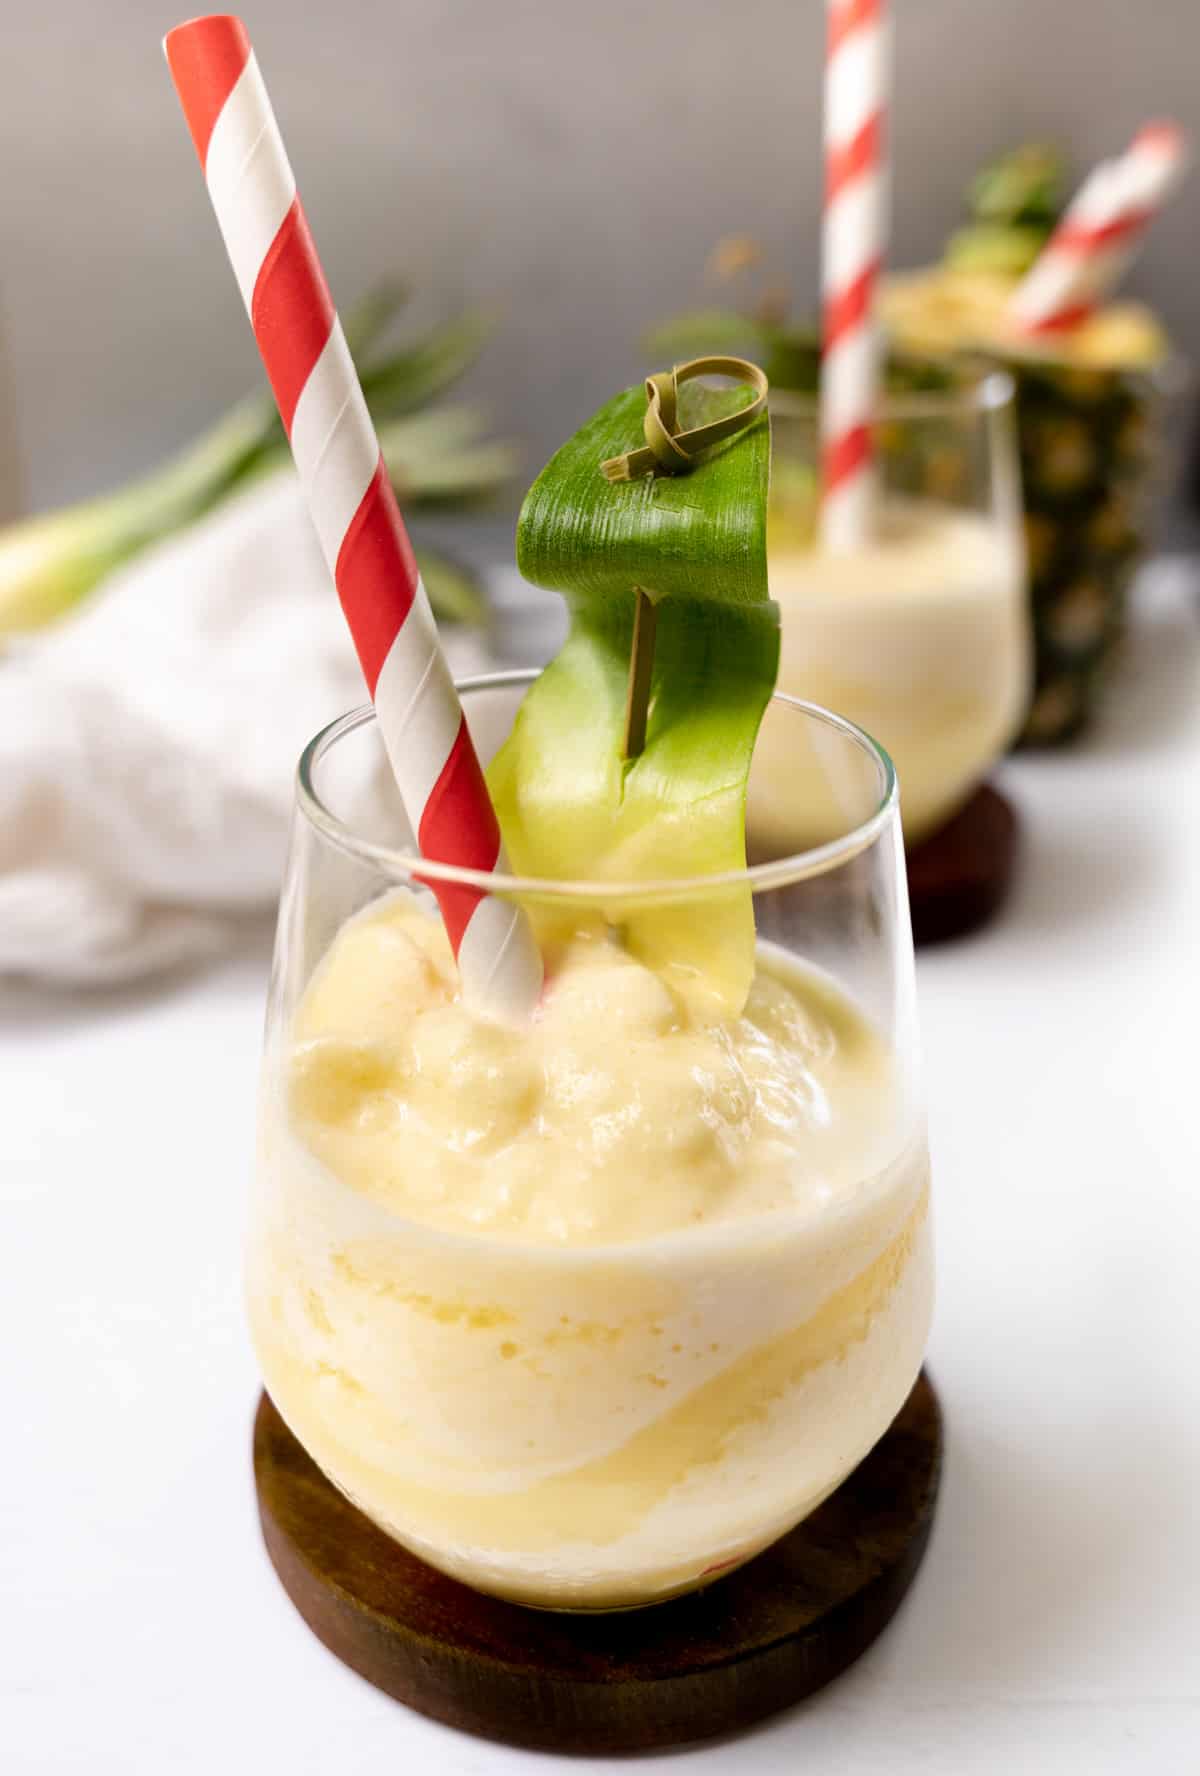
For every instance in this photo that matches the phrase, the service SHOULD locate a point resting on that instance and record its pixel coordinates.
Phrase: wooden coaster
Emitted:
(634, 1680)
(959, 878)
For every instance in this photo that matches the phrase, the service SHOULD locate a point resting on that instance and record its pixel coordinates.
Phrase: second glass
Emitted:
(922, 635)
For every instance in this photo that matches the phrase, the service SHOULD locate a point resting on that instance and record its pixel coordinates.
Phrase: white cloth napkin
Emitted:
(148, 744)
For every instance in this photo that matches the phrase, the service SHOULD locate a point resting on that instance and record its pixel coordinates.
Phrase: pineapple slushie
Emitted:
(586, 1311)
(920, 637)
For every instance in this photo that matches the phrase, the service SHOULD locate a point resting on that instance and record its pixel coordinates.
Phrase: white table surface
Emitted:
(1056, 1623)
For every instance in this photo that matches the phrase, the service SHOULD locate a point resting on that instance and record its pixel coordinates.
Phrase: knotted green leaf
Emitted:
(571, 806)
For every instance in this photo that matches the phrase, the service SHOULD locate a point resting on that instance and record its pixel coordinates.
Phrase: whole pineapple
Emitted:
(1088, 440)
(1087, 427)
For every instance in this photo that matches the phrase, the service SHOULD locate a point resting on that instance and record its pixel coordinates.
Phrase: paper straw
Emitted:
(854, 234)
(351, 501)
(1100, 233)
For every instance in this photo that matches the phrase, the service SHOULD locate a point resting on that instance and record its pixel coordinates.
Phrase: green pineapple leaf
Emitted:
(570, 804)
(1005, 248)
(1026, 185)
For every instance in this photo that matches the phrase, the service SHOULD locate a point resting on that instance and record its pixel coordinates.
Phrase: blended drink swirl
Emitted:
(584, 1311)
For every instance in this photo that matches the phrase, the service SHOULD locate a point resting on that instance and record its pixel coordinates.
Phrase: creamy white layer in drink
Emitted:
(921, 638)
(585, 1311)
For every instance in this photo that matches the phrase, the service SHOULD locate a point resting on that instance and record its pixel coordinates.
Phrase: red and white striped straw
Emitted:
(854, 236)
(351, 500)
(1101, 231)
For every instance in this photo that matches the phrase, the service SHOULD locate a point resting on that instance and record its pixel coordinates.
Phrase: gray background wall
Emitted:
(557, 157)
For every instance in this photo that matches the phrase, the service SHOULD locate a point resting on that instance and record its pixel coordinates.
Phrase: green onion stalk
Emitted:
(435, 455)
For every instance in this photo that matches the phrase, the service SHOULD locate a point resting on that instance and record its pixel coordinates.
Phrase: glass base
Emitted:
(755, 1640)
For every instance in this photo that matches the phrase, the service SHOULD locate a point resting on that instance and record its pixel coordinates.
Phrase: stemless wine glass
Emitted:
(593, 1399)
(922, 635)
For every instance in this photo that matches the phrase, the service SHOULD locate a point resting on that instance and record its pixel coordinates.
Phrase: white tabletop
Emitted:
(1056, 1622)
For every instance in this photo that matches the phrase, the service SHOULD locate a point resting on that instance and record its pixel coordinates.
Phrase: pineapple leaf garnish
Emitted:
(571, 804)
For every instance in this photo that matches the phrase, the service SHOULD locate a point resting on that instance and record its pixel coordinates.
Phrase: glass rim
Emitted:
(991, 391)
(396, 861)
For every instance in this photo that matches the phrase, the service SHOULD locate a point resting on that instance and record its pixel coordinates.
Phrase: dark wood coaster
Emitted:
(959, 878)
(635, 1680)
